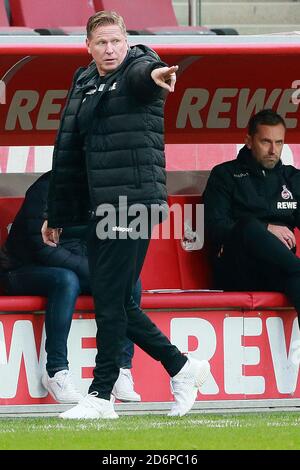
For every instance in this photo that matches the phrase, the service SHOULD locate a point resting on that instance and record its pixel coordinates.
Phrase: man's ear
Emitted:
(248, 141)
(87, 42)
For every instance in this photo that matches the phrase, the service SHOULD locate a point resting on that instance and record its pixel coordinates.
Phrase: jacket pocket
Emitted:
(136, 169)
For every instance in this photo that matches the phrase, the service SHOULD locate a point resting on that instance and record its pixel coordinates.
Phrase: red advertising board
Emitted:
(253, 355)
(219, 86)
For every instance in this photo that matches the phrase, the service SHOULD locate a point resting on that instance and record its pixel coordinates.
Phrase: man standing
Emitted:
(252, 206)
(110, 148)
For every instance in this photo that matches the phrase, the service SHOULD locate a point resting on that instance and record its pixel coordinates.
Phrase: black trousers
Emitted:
(256, 260)
(115, 266)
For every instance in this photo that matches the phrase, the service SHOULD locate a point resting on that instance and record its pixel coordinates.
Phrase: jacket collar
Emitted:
(246, 159)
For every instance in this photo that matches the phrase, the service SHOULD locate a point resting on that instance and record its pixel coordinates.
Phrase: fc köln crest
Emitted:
(285, 193)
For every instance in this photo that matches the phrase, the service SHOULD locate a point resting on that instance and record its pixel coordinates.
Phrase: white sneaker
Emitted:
(186, 383)
(91, 407)
(124, 387)
(61, 387)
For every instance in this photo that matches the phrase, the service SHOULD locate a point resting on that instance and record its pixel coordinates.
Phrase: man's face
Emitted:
(266, 144)
(108, 47)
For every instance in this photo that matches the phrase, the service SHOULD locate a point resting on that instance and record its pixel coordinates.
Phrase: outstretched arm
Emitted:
(148, 79)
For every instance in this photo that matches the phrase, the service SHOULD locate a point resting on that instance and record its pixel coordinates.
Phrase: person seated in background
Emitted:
(252, 206)
(60, 273)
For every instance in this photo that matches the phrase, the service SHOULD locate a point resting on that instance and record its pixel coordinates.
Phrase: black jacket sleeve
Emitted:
(218, 217)
(140, 82)
(295, 186)
(25, 241)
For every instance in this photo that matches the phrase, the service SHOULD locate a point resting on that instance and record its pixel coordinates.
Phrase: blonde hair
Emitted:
(104, 18)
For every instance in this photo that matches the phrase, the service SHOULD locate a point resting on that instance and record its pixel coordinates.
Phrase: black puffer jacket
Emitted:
(242, 189)
(25, 245)
(123, 152)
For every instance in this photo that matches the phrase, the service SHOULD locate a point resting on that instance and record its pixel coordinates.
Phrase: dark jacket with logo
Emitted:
(242, 189)
(122, 153)
(25, 245)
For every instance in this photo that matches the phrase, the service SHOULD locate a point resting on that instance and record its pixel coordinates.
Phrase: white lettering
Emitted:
(23, 159)
(124, 461)
(22, 346)
(20, 352)
(286, 370)
(17, 159)
(42, 158)
(287, 205)
(236, 356)
(253, 384)
(122, 229)
(233, 355)
(183, 328)
(80, 357)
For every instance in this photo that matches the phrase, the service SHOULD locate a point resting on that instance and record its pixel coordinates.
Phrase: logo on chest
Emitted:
(286, 195)
(111, 88)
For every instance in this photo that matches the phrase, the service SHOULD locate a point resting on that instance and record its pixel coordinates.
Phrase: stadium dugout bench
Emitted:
(141, 17)
(55, 17)
(150, 17)
(7, 30)
(248, 337)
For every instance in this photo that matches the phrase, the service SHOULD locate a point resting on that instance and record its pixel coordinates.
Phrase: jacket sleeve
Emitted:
(34, 216)
(218, 217)
(296, 194)
(140, 82)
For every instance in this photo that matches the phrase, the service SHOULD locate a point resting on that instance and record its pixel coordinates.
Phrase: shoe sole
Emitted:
(127, 400)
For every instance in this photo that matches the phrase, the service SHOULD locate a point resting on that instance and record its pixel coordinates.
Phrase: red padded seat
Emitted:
(52, 14)
(3, 15)
(141, 14)
(159, 301)
(152, 16)
(6, 29)
(167, 266)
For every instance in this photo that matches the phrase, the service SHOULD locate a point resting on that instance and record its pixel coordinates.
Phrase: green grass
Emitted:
(154, 432)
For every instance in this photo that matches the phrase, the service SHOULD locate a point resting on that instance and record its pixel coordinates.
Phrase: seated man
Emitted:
(252, 206)
(60, 273)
